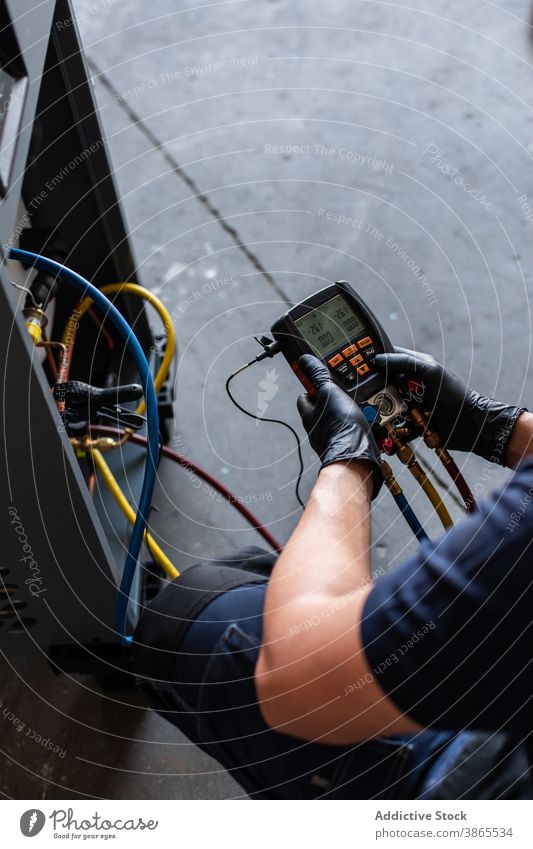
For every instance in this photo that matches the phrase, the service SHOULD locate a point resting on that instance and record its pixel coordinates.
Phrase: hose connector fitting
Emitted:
(431, 437)
(390, 481)
(36, 321)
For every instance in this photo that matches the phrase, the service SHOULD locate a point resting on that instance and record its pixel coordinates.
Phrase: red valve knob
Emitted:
(415, 387)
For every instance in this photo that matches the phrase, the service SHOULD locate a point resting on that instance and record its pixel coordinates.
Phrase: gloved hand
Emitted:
(336, 427)
(466, 420)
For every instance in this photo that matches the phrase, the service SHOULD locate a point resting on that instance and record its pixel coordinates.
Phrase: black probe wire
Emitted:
(274, 421)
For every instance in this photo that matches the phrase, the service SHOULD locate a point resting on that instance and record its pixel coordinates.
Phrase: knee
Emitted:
(156, 640)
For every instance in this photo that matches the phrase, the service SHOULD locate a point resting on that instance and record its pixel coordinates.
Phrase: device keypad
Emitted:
(353, 360)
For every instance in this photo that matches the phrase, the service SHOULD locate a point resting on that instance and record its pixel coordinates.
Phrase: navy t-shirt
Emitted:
(449, 634)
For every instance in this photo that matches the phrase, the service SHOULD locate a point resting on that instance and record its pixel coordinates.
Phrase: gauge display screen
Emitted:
(332, 324)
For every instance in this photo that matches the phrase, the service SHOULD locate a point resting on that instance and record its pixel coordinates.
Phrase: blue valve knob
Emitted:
(371, 414)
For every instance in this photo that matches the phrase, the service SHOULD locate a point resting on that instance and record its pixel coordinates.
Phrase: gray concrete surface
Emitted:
(263, 149)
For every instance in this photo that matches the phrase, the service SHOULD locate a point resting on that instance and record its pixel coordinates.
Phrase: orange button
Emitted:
(335, 361)
(356, 360)
(363, 369)
(363, 343)
(349, 352)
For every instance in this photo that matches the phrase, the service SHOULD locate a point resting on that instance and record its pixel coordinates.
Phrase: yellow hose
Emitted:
(141, 292)
(408, 457)
(437, 502)
(111, 483)
(109, 479)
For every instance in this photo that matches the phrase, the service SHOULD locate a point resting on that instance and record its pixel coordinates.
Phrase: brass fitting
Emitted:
(36, 322)
(405, 455)
(431, 438)
(403, 432)
(390, 481)
(403, 451)
(103, 443)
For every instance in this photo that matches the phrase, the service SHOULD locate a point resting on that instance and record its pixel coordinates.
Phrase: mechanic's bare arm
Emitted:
(312, 678)
(521, 442)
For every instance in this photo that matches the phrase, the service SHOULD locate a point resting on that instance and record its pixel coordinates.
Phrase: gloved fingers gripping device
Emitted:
(336, 326)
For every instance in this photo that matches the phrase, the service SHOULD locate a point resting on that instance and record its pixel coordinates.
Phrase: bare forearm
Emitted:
(521, 443)
(328, 552)
(312, 651)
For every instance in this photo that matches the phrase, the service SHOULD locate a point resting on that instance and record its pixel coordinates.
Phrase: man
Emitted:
(291, 671)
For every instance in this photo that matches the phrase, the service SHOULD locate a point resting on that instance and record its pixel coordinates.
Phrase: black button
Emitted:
(370, 352)
(347, 372)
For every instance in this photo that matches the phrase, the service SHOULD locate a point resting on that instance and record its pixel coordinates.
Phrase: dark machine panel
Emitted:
(58, 194)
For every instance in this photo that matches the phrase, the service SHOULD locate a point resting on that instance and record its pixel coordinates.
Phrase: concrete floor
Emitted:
(263, 149)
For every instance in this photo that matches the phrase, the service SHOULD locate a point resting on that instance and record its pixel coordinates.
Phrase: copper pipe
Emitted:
(69, 338)
(105, 333)
(45, 343)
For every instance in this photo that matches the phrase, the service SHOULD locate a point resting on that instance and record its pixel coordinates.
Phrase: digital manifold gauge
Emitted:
(335, 325)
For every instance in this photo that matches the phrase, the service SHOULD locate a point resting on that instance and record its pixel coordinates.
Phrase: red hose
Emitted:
(462, 486)
(211, 481)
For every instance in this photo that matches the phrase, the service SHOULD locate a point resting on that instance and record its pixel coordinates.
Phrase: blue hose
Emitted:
(145, 376)
(410, 517)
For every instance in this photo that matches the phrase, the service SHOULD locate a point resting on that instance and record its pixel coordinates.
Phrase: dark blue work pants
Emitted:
(205, 686)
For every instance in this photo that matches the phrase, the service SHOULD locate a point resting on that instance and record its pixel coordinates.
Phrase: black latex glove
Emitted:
(466, 420)
(336, 427)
